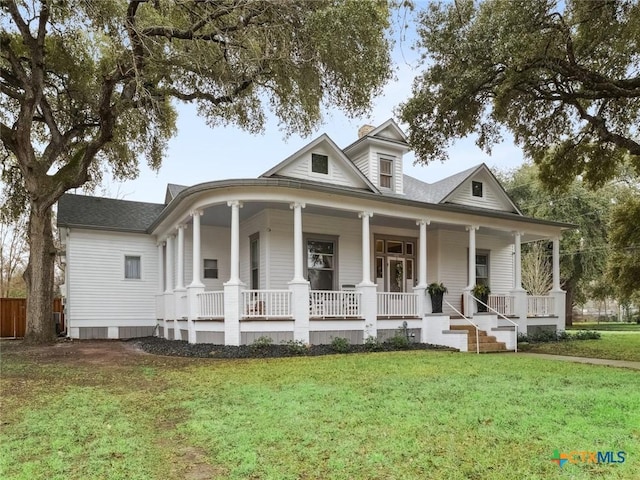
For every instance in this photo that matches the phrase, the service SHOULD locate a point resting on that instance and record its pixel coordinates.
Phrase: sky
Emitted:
(200, 154)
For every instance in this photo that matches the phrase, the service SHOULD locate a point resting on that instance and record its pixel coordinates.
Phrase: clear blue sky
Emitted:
(199, 153)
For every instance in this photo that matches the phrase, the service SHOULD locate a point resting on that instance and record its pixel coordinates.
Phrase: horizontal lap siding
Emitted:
(492, 198)
(97, 288)
(215, 243)
(255, 224)
(338, 175)
(349, 236)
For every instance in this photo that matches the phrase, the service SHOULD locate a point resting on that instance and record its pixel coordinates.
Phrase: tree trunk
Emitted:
(39, 277)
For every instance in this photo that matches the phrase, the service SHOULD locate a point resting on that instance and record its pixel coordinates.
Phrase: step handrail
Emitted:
(515, 332)
(468, 320)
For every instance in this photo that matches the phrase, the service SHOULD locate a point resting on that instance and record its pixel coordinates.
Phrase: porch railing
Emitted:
(541, 306)
(211, 305)
(266, 304)
(398, 304)
(503, 304)
(338, 304)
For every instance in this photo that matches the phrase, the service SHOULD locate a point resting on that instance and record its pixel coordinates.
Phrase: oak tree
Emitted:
(562, 76)
(89, 84)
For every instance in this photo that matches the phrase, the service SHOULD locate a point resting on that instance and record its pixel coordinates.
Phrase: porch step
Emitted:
(487, 343)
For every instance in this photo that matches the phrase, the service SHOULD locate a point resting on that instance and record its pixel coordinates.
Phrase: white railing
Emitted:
(539, 306)
(335, 304)
(469, 321)
(398, 304)
(503, 304)
(266, 304)
(211, 305)
(160, 306)
(515, 325)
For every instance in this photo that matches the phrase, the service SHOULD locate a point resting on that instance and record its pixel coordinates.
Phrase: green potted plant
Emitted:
(436, 292)
(481, 292)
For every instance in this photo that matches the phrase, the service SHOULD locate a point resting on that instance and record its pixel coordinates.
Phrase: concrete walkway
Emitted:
(593, 361)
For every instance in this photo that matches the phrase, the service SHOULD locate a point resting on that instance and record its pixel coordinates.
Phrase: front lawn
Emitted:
(400, 415)
(614, 346)
(606, 326)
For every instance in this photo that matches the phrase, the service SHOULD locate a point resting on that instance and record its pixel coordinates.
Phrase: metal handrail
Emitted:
(468, 320)
(500, 315)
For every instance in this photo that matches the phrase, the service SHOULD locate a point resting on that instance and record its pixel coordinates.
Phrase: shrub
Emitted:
(372, 344)
(261, 344)
(398, 341)
(586, 335)
(340, 345)
(296, 347)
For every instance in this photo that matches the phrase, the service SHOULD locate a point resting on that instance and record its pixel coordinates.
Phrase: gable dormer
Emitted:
(480, 188)
(321, 161)
(378, 153)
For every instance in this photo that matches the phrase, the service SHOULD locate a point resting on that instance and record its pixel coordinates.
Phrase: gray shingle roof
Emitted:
(420, 191)
(172, 191)
(106, 213)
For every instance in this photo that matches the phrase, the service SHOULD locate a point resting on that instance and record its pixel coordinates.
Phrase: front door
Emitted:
(396, 274)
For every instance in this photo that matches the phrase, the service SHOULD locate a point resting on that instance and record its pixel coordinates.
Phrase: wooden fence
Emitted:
(13, 316)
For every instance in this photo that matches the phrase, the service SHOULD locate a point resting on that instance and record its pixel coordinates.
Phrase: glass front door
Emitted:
(396, 274)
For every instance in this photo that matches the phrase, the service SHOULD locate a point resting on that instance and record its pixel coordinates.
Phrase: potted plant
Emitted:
(436, 292)
(481, 292)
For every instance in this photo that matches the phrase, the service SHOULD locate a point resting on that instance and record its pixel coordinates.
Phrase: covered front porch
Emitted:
(354, 273)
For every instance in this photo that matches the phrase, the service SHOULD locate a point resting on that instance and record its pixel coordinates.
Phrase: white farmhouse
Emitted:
(328, 243)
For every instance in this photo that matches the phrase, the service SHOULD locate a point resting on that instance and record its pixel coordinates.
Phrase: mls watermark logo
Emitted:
(575, 457)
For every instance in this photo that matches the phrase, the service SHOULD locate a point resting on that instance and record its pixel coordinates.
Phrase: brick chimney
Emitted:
(365, 130)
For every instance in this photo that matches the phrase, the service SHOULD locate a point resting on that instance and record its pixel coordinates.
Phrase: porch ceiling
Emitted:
(220, 216)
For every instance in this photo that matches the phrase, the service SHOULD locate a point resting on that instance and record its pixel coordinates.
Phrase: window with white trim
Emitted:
(319, 163)
(476, 188)
(321, 267)
(132, 267)
(254, 260)
(210, 268)
(386, 172)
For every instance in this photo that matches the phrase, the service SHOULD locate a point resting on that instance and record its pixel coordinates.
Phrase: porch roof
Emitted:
(297, 184)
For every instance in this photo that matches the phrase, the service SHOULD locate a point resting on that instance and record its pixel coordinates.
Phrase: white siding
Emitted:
(339, 173)
(452, 253)
(255, 224)
(492, 196)
(347, 230)
(369, 164)
(215, 243)
(98, 293)
(362, 162)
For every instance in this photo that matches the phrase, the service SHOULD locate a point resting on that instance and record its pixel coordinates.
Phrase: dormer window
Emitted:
(476, 189)
(386, 172)
(319, 163)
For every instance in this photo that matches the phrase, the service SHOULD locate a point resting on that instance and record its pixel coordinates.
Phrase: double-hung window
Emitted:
(386, 172)
(132, 267)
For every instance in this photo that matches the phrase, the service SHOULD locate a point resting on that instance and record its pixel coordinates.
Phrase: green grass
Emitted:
(614, 346)
(606, 326)
(401, 415)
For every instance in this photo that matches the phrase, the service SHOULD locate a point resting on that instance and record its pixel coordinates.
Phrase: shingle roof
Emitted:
(420, 191)
(106, 213)
(172, 191)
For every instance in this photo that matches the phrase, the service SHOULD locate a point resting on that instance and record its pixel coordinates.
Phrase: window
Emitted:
(210, 268)
(321, 263)
(132, 268)
(482, 269)
(254, 254)
(394, 247)
(476, 189)
(386, 172)
(319, 163)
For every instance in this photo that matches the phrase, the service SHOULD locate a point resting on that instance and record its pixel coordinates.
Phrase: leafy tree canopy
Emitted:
(89, 84)
(624, 263)
(562, 76)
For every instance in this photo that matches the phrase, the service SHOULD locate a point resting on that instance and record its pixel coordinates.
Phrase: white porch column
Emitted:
(468, 304)
(366, 248)
(298, 250)
(179, 293)
(518, 293)
(422, 252)
(556, 265)
(233, 288)
(169, 306)
(299, 286)
(235, 241)
(196, 286)
(367, 289)
(557, 293)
